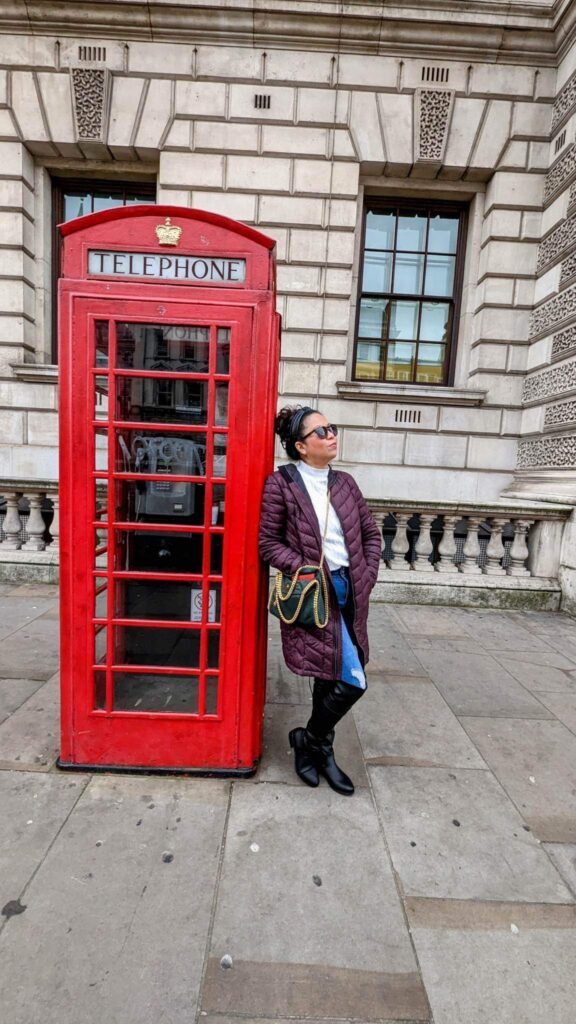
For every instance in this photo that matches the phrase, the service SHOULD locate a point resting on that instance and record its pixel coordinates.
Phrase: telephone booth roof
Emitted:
(201, 232)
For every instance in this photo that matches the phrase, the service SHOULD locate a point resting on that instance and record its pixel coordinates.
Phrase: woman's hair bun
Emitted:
(283, 420)
(283, 426)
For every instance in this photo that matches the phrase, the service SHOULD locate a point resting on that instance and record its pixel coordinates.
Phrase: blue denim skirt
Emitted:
(352, 671)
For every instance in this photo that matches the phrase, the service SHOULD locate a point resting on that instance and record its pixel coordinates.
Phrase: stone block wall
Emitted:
(338, 125)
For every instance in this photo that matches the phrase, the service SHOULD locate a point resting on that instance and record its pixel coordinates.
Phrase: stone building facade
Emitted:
(298, 121)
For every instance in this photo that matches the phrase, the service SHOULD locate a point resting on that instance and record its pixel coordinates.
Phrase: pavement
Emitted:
(444, 891)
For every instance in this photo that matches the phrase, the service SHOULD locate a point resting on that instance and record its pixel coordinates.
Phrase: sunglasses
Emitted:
(322, 432)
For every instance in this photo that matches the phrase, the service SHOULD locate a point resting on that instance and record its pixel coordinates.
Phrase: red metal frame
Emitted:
(228, 741)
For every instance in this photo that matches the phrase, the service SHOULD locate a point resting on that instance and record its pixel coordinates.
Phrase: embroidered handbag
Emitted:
(301, 599)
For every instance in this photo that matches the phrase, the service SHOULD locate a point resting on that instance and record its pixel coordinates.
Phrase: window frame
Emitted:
(96, 186)
(378, 204)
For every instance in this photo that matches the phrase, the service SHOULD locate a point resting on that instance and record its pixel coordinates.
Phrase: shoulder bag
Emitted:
(301, 599)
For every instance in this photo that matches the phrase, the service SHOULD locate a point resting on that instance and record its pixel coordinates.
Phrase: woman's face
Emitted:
(314, 450)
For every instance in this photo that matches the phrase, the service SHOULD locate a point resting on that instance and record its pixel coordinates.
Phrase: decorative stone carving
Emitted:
(561, 414)
(557, 243)
(564, 102)
(547, 453)
(572, 197)
(564, 341)
(568, 268)
(561, 174)
(433, 110)
(90, 87)
(551, 382)
(547, 316)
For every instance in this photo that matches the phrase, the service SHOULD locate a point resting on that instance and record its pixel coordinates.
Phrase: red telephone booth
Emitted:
(169, 356)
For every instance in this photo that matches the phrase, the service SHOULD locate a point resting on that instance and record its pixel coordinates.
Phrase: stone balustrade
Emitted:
(29, 530)
(495, 539)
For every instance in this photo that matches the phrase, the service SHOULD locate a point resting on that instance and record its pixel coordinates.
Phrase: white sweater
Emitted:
(316, 483)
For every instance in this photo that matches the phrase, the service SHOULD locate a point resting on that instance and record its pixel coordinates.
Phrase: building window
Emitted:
(73, 197)
(410, 290)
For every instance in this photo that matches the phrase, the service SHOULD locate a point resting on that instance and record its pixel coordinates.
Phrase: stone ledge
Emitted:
(36, 373)
(415, 393)
(458, 589)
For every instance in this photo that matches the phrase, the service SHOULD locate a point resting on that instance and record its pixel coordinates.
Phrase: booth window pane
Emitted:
(157, 645)
(101, 398)
(154, 551)
(100, 641)
(101, 501)
(175, 348)
(223, 350)
(218, 504)
(173, 453)
(152, 400)
(216, 553)
(99, 690)
(101, 548)
(101, 450)
(411, 277)
(100, 597)
(144, 691)
(164, 600)
(160, 501)
(220, 449)
(221, 408)
(101, 353)
(211, 695)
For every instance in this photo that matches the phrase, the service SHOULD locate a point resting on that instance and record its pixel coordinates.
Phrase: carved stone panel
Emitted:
(560, 415)
(564, 103)
(551, 382)
(564, 341)
(560, 175)
(90, 87)
(547, 453)
(568, 268)
(551, 313)
(432, 121)
(556, 244)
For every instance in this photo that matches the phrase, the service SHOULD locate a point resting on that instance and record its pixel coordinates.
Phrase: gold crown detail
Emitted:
(168, 233)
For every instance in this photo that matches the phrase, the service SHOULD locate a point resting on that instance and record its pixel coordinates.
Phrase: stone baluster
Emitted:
(469, 565)
(55, 524)
(447, 546)
(495, 549)
(400, 544)
(35, 527)
(424, 544)
(519, 550)
(12, 522)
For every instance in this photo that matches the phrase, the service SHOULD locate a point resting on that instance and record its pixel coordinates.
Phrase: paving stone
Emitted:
(277, 764)
(125, 896)
(535, 762)
(30, 738)
(426, 620)
(400, 723)
(550, 658)
(565, 645)
(33, 809)
(283, 686)
(475, 684)
(553, 624)
(563, 855)
(468, 843)
(497, 630)
(444, 643)
(502, 963)
(563, 705)
(16, 612)
(538, 678)
(31, 652)
(389, 652)
(32, 590)
(327, 936)
(14, 693)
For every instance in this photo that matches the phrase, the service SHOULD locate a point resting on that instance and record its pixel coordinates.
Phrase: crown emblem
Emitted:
(168, 233)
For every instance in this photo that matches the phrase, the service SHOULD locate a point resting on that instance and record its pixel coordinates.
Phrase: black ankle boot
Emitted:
(305, 758)
(335, 777)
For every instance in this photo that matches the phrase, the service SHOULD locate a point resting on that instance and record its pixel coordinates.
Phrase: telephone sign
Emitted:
(170, 347)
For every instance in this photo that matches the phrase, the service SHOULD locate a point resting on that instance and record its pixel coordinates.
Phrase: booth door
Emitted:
(167, 406)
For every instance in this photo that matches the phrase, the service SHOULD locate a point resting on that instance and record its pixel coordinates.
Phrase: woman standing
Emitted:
(303, 503)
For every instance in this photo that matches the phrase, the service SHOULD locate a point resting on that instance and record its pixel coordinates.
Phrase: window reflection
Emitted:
(153, 400)
(177, 348)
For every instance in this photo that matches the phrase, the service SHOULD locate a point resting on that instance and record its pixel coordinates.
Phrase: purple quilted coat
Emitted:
(290, 537)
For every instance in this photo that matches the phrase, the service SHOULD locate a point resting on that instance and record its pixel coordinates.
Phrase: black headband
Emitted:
(296, 421)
